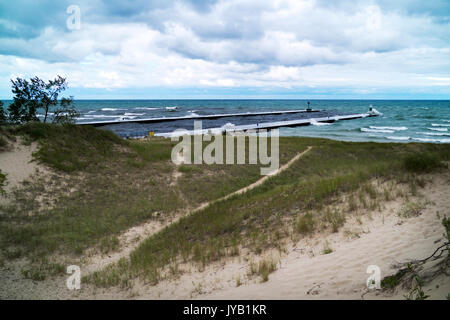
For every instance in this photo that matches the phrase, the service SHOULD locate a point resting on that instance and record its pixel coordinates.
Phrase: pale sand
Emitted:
(383, 239)
(17, 163)
(387, 239)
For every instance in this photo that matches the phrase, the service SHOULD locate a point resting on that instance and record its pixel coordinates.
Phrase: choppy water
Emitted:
(402, 120)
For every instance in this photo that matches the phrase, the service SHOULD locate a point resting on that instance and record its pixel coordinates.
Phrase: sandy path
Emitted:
(263, 179)
(133, 237)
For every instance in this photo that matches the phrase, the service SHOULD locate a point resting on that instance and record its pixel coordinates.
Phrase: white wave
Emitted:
(111, 109)
(228, 125)
(315, 123)
(172, 108)
(398, 138)
(438, 129)
(145, 108)
(192, 113)
(389, 128)
(435, 133)
(440, 125)
(432, 140)
(103, 116)
(377, 130)
(133, 114)
(446, 120)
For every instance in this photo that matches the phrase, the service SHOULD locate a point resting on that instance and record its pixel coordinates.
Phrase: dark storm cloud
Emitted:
(223, 31)
(26, 19)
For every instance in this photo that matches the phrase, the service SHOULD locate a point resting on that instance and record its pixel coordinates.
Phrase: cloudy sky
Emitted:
(231, 48)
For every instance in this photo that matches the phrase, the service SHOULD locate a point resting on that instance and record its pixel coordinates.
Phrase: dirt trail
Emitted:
(263, 179)
(131, 239)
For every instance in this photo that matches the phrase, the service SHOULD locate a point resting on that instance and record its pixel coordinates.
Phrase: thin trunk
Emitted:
(46, 112)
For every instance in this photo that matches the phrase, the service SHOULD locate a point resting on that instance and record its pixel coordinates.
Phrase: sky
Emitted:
(162, 49)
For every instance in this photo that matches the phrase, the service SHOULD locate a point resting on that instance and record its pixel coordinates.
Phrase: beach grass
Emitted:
(101, 185)
(255, 218)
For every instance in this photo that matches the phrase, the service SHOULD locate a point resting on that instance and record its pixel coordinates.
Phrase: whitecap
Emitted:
(389, 128)
(315, 123)
(434, 133)
(376, 130)
(146, 108)
(103, 116)
(111, 109)
(228, 125)
(398, 138)
(440, 125)
(133, 114)
(84, 118)
(438, 129)
(432, 140)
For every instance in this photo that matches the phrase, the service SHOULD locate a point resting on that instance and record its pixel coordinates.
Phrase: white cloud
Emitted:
(243, 43)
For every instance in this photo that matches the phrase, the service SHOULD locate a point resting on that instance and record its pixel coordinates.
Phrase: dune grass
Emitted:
(422, 162)
(100, 186)
(254, 219)
(70, 148)
(2, 182)
(103, 185)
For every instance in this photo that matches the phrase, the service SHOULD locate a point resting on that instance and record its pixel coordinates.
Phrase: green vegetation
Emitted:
(70, 147)
(2, 182)
(263, 268)
(411, 209)
(413, 275)
(41, 271)
(266, 267)
(422, 162)
(305, 224)
(407, 274)
(327, 248)
(335, 218)
(446, 224)
(3, 142)
(255, 219)
(34, 94)
(417, 292)
(5, 137)
(101, 186)
(390, 282)
(104, 185)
